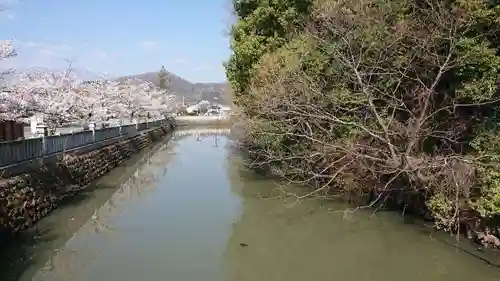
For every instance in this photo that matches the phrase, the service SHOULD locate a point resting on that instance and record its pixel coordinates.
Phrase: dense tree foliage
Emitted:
(264, 27)
(163, 79)
(399, 100)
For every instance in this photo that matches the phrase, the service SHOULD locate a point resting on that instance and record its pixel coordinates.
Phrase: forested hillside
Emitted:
(180, 87)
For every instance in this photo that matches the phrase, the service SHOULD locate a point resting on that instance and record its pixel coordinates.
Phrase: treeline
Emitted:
(393, 100)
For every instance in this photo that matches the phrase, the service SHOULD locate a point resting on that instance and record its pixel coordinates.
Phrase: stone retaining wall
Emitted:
(26, 198)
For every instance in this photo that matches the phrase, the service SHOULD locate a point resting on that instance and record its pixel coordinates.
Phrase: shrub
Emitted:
(397, 99)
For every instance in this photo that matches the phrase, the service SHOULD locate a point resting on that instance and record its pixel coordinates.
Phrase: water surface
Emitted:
(192, 213)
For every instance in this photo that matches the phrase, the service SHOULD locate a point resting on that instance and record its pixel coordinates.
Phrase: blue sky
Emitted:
(121, 37)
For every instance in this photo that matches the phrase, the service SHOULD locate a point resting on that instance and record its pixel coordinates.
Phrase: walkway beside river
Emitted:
(191, 212)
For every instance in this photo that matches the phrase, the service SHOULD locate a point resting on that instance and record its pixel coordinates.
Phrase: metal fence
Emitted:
(12, 152)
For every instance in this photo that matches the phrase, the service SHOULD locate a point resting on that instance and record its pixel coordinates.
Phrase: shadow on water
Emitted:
(490, 257)
(29, 250)
(316, 240)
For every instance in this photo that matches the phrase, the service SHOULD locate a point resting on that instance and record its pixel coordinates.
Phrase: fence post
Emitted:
(33, 125)
(92, 127)
(44, 145)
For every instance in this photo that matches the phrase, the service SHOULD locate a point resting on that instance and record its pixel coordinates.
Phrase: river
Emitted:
(189, 211)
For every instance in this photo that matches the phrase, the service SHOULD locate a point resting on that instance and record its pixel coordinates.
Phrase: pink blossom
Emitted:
(62, 96)
(6, 49)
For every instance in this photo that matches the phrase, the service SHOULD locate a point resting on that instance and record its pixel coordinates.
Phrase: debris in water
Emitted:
(243, 245)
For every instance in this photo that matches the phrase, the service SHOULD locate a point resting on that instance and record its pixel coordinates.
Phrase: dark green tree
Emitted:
(355, 96)
(163, 78)
(262, 26)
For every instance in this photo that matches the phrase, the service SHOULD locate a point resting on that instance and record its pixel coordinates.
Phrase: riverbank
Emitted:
(30, 249)
(28, 197)
(343, 98)
(398, 204)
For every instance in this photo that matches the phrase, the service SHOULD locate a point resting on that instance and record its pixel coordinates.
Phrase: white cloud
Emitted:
(100, 54)
(149, 45)
(6, 7)
(105, 54)
(29, 44)
(55, 47)
(64, 47)
(203, 67)
(117, 54)
(47, 52)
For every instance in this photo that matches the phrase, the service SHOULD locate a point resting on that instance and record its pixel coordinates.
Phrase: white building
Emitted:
(192, 109)
(197, 107)
(224, 110)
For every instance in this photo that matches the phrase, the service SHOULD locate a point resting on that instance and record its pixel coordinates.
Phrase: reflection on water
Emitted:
(70, 261)
(192, 213)
(31, 249)
(309, 242)
(179, 223)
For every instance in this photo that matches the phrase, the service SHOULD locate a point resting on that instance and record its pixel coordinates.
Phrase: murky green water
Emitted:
(191, 213)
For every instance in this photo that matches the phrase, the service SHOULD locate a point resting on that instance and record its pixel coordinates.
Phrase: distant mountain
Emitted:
(180, 87)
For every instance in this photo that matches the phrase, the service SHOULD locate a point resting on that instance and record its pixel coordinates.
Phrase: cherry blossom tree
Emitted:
(54, 95)
(132, 98)
(9, 108)
(99, 100)
(62, 96)
(6, 49)
(162, 102)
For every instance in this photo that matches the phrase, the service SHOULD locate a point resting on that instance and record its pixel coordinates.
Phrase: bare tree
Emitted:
(381, 124)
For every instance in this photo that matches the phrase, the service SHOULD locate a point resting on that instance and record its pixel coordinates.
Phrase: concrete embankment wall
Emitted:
(27, 197)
